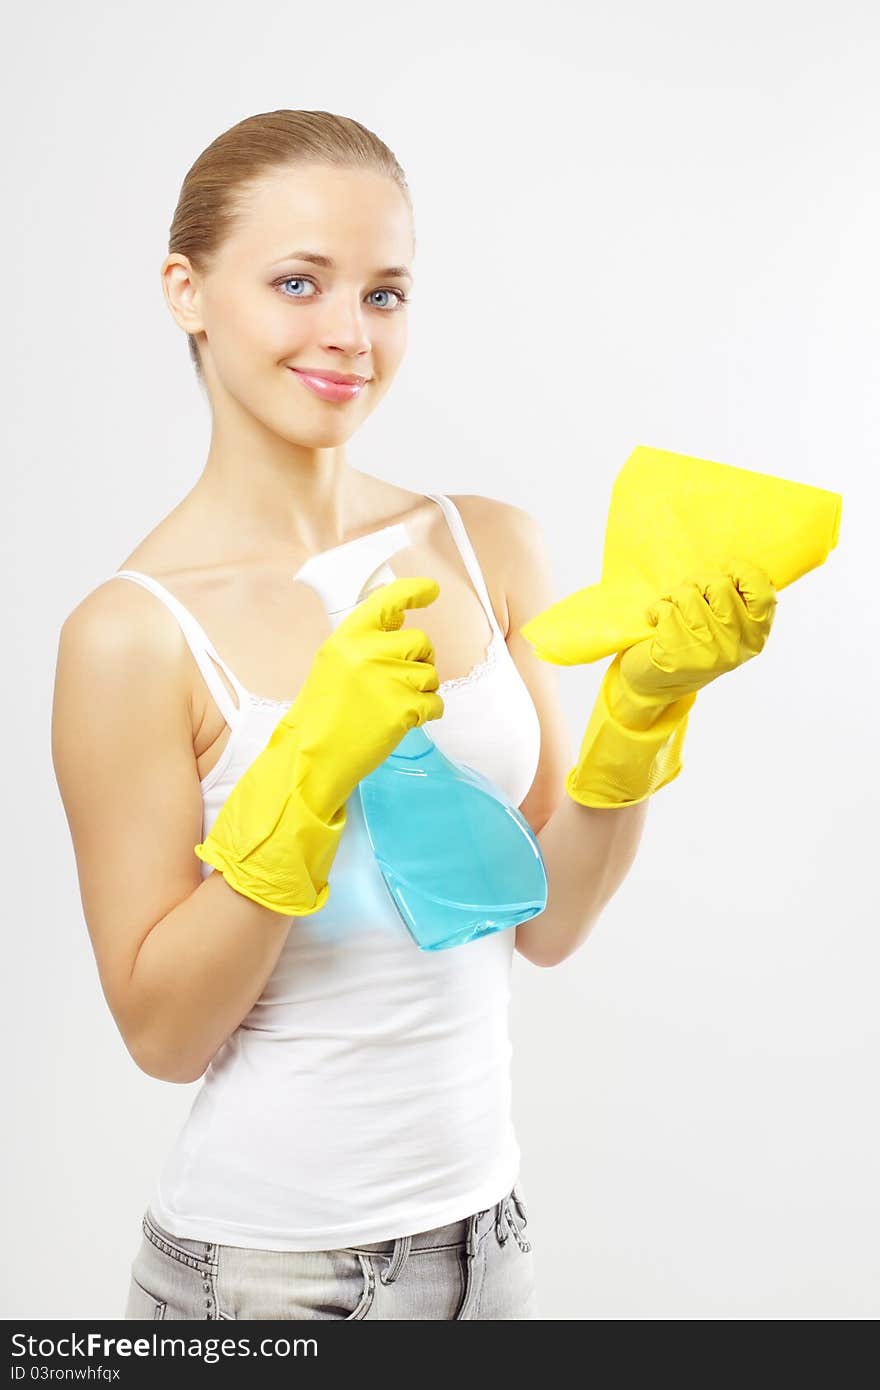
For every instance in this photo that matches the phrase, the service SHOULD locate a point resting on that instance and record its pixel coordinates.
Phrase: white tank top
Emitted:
(367, 1094)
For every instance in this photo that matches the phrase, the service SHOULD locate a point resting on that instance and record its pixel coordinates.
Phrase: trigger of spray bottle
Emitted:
(343, 576)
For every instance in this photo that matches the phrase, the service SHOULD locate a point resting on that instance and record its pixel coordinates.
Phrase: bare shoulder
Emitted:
(500, 523)
(500, 532)
(120, 627)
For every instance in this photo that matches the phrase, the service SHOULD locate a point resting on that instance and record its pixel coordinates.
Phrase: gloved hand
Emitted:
(705, 627)
(372, 679)
(371, 682)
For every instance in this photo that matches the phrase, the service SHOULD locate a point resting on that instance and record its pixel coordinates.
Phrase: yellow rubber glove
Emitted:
(372, 680)
(704, 628)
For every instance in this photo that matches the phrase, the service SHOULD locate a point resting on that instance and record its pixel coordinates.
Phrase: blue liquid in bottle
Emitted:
(458, 859)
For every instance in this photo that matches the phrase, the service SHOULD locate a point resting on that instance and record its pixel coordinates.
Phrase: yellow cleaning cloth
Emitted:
(673, 517)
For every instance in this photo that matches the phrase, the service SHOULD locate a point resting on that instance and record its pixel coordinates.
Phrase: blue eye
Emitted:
(293, 280)
(401, 297)
(306, 280)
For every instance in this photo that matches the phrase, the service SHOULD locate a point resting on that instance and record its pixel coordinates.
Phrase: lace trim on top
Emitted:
(477, 672)
(261, 702)
(470, 677)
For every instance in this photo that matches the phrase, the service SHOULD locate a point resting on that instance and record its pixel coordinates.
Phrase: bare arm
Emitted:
(198, 973)
(181, 960)
(588, 853)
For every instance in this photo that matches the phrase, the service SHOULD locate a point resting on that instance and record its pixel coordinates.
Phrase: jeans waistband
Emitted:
(504, 1217)
(469, 1231)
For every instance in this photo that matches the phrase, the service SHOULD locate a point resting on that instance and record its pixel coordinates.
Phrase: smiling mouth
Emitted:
(329, 390)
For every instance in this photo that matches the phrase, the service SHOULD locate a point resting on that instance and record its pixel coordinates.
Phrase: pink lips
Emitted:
(329, 390)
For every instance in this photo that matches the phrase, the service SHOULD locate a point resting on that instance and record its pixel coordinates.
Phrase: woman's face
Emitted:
(265, 310)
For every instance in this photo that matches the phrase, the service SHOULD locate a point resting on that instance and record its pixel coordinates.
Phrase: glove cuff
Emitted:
(302, 888)
(621, 766)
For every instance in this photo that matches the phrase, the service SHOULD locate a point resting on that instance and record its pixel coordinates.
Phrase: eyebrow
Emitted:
(315, 257)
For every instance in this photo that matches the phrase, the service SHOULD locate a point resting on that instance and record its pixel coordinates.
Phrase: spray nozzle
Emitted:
(343, 575)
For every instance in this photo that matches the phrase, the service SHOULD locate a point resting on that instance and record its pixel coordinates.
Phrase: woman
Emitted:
(350, 1153)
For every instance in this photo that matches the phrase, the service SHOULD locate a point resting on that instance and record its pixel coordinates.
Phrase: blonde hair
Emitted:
(211, 196)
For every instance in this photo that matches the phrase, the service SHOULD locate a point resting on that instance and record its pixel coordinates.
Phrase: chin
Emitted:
(318, 436)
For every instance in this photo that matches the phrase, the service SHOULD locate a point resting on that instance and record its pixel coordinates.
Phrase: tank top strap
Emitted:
(468, 555)
(200, 645)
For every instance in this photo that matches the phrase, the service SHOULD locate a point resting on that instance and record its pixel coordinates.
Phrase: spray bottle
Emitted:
(458, 859)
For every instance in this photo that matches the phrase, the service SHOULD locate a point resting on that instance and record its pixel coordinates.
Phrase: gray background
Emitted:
(637, 224)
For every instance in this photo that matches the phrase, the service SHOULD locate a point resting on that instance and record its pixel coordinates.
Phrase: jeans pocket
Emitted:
(143, 1304)
(267, 1285)
(366, 1276)
(168, 1283)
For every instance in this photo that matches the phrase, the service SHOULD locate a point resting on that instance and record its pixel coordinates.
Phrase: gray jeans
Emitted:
(478, 1267)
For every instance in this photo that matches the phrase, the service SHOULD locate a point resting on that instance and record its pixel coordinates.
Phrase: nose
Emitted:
(344, 327)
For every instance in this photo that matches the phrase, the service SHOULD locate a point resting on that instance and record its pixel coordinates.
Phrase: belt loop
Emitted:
(500, 1213)
(397, 1260)
(472, 1234)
